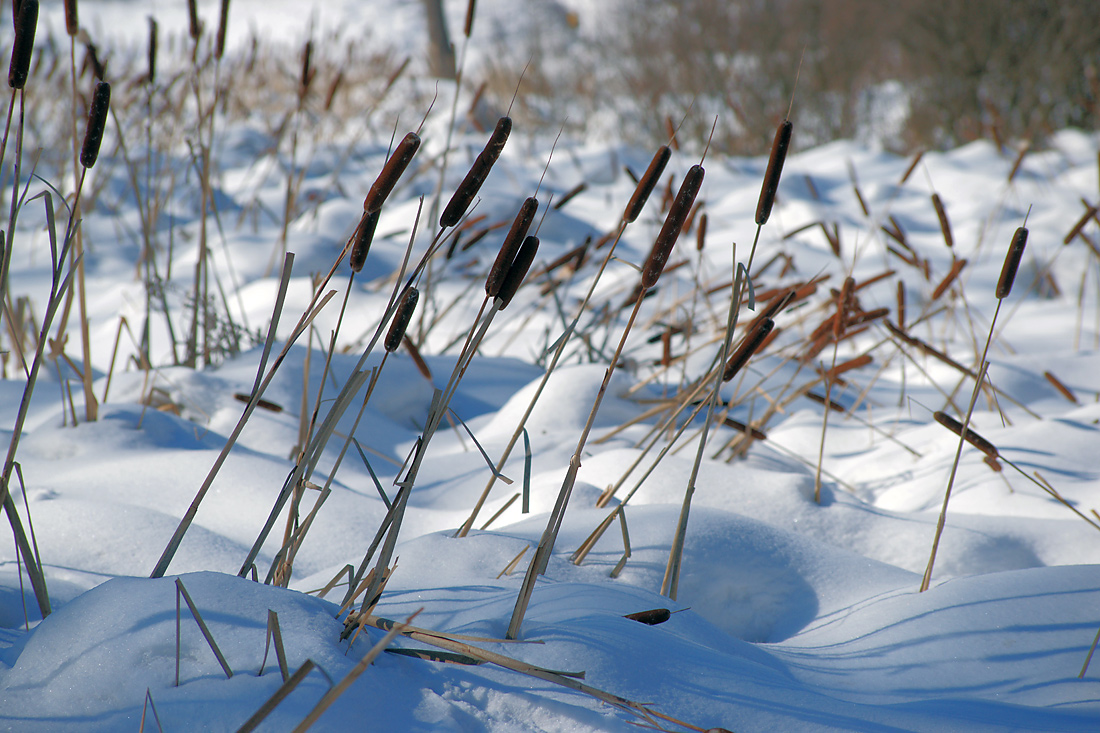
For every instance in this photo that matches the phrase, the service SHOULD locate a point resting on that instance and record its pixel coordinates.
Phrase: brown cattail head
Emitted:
(647, 183)
(401, 318)
(195, 27)
(72, 18)
(701, 232)
(901, 304)
(25, 23)
(223, 22)
(477, 174)
(152, 50)
(674, 224)
(391, 172)
(652, 617)
(97, 121)
(843, 307)
(364, 235)
(517, 271)
(1012, 263)
(468, 26)
(307, 70)
(511, 246)
(945, 225)
(775, 170)
(971, 437)
(747, 348)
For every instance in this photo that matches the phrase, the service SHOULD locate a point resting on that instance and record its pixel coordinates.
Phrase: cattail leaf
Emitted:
(1012, 263)
(525, 507)
(768, 190)
(25, 24)
(744, 274)
(97, 121)
(488, 461)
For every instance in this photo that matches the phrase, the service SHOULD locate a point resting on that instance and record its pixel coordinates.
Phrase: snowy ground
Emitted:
(791, 614)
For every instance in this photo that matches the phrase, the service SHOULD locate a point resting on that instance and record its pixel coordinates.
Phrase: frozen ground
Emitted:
(791, 614)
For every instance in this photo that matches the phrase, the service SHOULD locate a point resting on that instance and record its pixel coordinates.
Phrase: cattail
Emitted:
(701, 232)
(775, 169)
(843, 306)
(901, 304)
(647, 183)
(223, 22)
(1080, 225)
(956, 268)
(511, 246)
(1062, 388)
(391, 171)
(741, 427)
(468, 26)
(307, 70)
(912, 167)
(195, 28)
(72, 19)
(857, 363)
(570, 195)
(652, 618)
(868, 316)
(971, 437)
(831, 404)
(97, 120)
(747, 348)
(517, 271)
(152, 50)
(364, 235)
(477, 174)
(945, 225)
(25, 23)
(1012, 263)
(674, 223)
(401, 318)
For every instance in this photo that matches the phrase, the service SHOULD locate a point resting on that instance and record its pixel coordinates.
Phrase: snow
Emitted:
(790, 614)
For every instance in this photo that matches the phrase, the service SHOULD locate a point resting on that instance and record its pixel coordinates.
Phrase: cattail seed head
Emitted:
(72, 18)
(195, 26)
(307, 70)
(25, 23)
(747, 348)
(843, 307)
(651, 618)
(647, 183)
(401, 318)
(391, 172)
(477, 174)
(97, 121)
(701, 233)
(152, 50)
(223, 22)
(517, 271)
(674, 223)
(971, 437)
(511, 246)
(1012, 263)
(364, 235)
(780, 144)
(468, 26)
(945, 225)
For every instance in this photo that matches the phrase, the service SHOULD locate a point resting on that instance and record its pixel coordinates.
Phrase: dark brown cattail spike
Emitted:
(97, 121)
(307, 70)
(72, 19)
(1012, 263)
(843, 306)
(517, 271)
(945, 225)
(651, 618)
(195, 28)
(674, 224)
(401, 318)
(223, 22)
(364, 235)
(747, 348)
(391, 172)
(701, 233)
(479, 171)
(152, 50)
(25, 24)
(647, 183)
(511, 246)
(468, 26)
(775, 170)
(971, 437)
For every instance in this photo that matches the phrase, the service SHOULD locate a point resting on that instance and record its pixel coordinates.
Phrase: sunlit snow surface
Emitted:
(794, 615)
